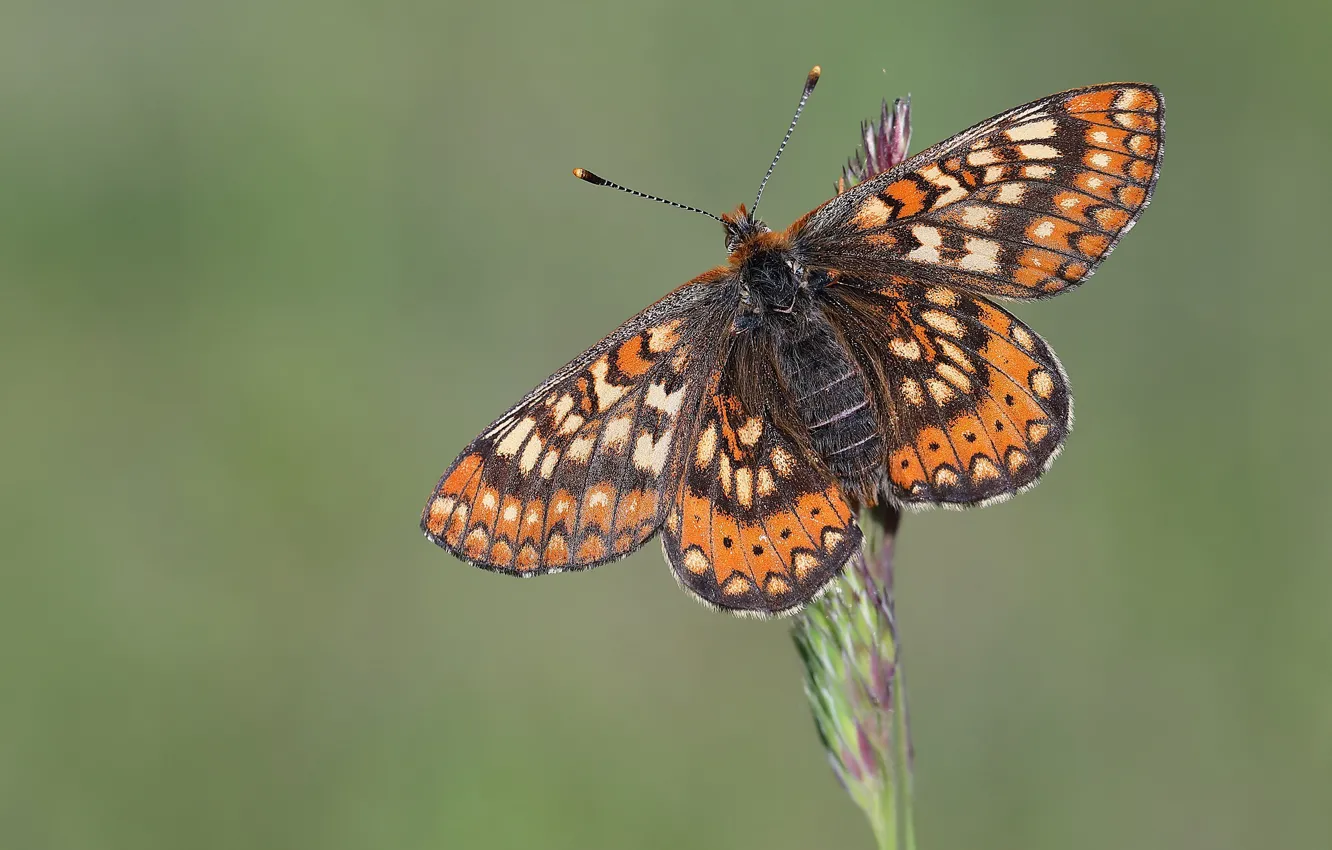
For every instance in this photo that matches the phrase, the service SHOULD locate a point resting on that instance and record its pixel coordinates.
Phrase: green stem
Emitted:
(848, 640)
(900, 798)
(884, 824)
(903, 767)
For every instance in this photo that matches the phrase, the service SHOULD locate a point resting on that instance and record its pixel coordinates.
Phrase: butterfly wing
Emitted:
(1024, 205)
(582, 470)
(973, 405)
(758, 525)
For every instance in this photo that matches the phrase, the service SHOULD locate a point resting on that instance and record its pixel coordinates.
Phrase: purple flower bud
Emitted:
(884, 144)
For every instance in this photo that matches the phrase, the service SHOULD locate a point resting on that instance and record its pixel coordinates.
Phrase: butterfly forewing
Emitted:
(1024, 205)
(973, 404)
(581, 471)
(759, 526)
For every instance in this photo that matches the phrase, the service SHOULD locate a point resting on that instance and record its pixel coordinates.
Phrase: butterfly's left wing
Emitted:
(758, 525)
(1024, 205)
(581, 471)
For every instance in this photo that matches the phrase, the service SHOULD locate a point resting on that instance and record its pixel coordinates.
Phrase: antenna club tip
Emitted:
(584, 174)
(814, 74)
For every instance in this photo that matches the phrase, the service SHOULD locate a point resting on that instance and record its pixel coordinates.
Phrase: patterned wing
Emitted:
(975, 405)
(759, 526)
(1024, 205)
(581, 471)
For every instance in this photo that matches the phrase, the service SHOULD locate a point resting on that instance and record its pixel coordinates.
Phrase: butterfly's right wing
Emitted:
(1024, 205)
(583, 469)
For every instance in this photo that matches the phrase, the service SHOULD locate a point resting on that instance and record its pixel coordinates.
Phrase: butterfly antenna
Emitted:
(810, 81)
(588, 177)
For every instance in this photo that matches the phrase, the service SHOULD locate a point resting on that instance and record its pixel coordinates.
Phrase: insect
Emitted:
(854, 357)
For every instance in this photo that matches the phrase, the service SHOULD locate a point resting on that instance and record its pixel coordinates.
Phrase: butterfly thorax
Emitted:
(780, 308)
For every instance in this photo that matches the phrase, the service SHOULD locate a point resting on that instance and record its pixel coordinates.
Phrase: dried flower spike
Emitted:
(884, 144)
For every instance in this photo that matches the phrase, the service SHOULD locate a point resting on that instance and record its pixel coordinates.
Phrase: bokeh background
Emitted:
(267, 266)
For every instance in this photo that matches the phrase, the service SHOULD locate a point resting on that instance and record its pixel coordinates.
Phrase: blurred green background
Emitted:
(267, 267)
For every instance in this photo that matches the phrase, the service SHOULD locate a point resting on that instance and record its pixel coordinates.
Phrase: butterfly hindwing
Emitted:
(973, 404)
(758, 525)
(1024, 205)
(582, 470)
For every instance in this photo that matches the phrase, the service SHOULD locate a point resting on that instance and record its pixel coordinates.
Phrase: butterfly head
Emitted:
(765, 264)
(740, 228)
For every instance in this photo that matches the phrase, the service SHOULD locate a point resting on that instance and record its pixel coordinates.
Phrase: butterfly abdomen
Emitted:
(830, 395)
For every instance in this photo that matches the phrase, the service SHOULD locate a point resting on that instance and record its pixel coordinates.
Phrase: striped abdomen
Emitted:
(831, 399)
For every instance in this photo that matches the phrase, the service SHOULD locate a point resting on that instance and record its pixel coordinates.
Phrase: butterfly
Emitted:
(854, 358)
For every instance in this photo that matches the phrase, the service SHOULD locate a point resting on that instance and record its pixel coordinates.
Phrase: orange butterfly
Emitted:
(853, 357)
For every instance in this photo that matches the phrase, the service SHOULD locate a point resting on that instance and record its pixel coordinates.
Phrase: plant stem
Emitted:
(848, 640)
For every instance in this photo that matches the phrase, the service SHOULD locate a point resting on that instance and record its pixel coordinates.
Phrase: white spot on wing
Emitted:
(606, 393)
(912, 392)
(982, 255)
(954, 376)
(941, 392)
(979, 217)
(750, 432)
(562, 408)
(930, 240)
(1035, 130)
(616, 433)
(659, 400)
(1039, 152)
(982, 157)
(766, 486)
(744, 486)
(581, 448)
(548, 463)
(943, 322)
(1011, 193)
(513, 441)
(907, 349)
(706, 446)
(531, 452)
(649, 455)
